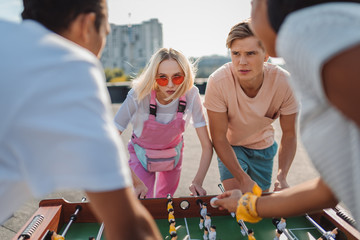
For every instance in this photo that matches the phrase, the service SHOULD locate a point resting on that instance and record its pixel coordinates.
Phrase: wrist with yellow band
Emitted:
(246, 209)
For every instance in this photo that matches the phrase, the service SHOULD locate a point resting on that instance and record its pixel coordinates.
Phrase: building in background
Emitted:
(129, 47)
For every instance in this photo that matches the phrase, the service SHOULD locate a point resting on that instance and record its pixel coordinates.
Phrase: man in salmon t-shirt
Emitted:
(243, 98)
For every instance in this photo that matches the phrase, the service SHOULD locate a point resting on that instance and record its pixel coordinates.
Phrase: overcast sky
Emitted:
(195, 27)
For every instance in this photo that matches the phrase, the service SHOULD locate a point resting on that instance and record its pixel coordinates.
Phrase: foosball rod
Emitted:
(287, 234)
(321, 230)
(233, 214)
(73, 217)
(100, 233)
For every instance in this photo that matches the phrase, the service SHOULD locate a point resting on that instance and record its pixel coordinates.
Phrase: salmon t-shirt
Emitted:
(250, 119)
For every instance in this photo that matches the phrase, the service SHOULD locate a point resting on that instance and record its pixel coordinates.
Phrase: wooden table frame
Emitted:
(57, 212)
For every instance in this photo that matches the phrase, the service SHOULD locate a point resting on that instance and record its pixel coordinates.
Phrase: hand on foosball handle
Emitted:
(139, 188)
(197, 190)
(228, 200)
(212, 202)
(280, 185)
(243, 205)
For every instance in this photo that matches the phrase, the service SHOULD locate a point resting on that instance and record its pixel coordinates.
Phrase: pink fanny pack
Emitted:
(158, 160)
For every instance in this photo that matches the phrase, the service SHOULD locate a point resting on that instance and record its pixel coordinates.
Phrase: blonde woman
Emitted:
(160, 105)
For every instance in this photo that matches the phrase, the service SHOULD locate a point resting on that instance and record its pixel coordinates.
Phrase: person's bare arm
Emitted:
(140, 188)
(304, 198)
(123, 215)
(341, 82)
(218, 122)
(287, 149)
(205, 160)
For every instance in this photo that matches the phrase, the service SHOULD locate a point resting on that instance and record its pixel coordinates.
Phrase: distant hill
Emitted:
(208, 64)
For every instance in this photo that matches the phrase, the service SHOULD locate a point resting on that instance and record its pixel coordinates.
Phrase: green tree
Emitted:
(113, 73)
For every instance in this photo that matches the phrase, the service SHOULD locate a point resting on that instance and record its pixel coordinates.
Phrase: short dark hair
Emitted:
(57, 15)
(279, 9)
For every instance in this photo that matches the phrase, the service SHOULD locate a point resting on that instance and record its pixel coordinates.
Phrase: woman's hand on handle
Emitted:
(197, 190)
(139, 187)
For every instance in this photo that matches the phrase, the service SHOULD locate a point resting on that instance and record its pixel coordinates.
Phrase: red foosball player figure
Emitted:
(251, 235)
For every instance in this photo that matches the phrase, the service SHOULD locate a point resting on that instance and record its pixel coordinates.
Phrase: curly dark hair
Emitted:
(57, 15)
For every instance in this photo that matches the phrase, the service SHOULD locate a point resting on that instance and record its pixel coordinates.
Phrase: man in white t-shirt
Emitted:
(243, 98)
(56, 128)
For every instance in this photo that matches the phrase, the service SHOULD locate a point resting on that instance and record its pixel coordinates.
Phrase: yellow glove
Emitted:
(257, 190)
(246, 209)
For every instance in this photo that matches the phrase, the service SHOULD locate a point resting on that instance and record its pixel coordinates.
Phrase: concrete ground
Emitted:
(301, 170)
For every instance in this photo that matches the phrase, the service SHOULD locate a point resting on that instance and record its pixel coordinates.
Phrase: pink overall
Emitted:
(159, 136)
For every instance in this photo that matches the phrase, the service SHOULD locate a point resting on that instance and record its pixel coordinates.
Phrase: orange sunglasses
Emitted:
(164, 81)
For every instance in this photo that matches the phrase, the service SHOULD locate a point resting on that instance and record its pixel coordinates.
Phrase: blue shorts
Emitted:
(257, 163)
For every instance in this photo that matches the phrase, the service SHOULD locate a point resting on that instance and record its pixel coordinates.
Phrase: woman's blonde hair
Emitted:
(146, 81)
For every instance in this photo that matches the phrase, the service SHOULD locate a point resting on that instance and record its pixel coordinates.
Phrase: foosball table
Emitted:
(55, 215)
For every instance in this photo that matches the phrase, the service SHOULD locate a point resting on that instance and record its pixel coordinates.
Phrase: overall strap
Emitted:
(152, 105)
(181, 106)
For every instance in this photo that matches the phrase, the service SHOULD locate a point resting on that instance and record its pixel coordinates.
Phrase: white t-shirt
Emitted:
(56, 128)
(137, 113)
(306, 40)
